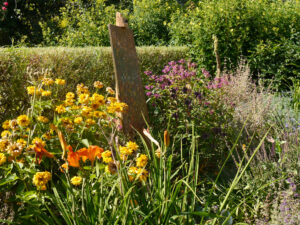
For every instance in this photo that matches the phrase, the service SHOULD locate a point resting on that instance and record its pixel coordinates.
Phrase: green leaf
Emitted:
(9, 179)
(85, 142)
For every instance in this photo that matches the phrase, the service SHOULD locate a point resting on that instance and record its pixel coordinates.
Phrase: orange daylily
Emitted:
(41, 151)
(73, 157)
(91, 153)
(85, 153)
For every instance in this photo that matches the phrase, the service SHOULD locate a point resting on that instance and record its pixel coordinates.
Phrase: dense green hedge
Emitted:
(73, 64)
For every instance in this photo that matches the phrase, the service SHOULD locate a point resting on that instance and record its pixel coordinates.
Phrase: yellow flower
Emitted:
(70, 95)
(132, 145)
(106, 156)
(90, 122)
(60, 109)
(5, 134)
(66, 121)
(98, 84)
(112, 99)
(81, 89)
(142, 174)
(47, 81)
(23, 121)
(31, 90)
(14, 149)
(3, 144)
(43, 119)
(5, 125)
(84, 98)
(117, 107)
(13, 124)
(98, 99)
(69, 102)
(132, 172)
(95, 105)
(87, 111)
(47, 135)
(123, 157)
(2, 159)
(60, 82)
(99, 114)
(142, 160)
(125, 151)
(75, 107)
(46, 93)
(110, 90)
(76, 180)
(78, 120)
(41, 179)
(37, 141)
(22, 142)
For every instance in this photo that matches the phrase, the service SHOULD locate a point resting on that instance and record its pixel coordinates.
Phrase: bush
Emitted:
(149, 21)
(80, 24)
(74, 65)
(265, 32)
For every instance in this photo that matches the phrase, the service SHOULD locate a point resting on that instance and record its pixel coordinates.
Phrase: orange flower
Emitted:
(41, 151)
(91, 153)
(73, 157)
(64, 167)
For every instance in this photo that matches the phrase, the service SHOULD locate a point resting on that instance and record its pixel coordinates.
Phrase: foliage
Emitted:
(20, 22)
(149, 21)
(80, 24)
(262, 31)
(180, 97)
(75, 65)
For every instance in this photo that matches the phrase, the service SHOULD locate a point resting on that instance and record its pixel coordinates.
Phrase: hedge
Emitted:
(76, 65)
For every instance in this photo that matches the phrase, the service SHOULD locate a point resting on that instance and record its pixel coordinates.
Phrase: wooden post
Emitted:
(129, 87)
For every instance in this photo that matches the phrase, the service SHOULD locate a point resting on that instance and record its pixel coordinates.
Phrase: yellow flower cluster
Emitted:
(47, 81)
(41, 179)
(32, 90)
(142, 160)
(117, 107)
(106, 156)
(60, 82)
(23, 121)
(2, 158)
(137, 173)
(43, 119)
(76, 180)
(98, 84)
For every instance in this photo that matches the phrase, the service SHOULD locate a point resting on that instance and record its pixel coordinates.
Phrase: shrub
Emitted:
(265, 32)
(149, 21)
(182, 99)
(74, 65)
(81, 24)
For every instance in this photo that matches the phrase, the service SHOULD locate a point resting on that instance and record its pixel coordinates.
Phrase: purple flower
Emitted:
(205, 73)
(166, 69)
(156, 95)
(149, 87)
(149, 93)
(172, 63)
(148, 73)
(181, 61)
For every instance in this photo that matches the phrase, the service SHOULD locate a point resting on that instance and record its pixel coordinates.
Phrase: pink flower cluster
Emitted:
(4, 7)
